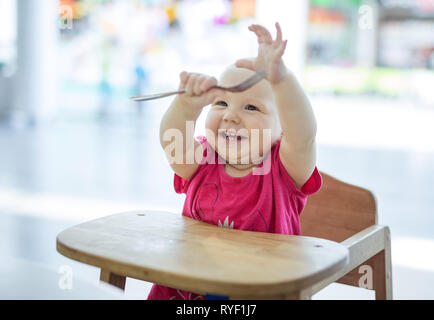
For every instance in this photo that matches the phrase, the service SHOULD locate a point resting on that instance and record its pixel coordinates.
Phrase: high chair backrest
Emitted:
(338, 211)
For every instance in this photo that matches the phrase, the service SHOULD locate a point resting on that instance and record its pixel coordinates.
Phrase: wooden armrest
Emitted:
(365, 244)
(361, 246)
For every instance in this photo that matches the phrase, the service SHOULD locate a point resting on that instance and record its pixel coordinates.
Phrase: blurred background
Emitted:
(74, 147)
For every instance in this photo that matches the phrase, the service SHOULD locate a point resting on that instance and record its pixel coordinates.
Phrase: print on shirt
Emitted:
(226, 223)
(257, 222)
(207, 194)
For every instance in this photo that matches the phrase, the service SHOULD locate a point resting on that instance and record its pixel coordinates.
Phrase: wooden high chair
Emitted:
(347, 214)
(341, 242)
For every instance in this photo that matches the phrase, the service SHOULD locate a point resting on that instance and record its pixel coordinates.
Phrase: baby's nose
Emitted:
(231, 116)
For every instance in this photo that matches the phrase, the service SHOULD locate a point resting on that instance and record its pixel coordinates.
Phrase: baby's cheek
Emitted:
(262, 141)
(211, 125)
(211, 119)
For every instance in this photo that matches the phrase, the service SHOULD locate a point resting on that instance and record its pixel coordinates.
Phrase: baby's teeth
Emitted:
(231, 135)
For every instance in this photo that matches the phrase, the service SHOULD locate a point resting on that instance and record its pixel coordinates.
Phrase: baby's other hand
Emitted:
(270, 54)
(198, 89)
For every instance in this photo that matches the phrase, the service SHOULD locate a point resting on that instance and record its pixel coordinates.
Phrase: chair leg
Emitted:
(112, 278)
(383, 272)
(381, 264)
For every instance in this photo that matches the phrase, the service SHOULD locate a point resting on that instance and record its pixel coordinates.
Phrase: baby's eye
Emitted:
(251, 107)
(221, 103)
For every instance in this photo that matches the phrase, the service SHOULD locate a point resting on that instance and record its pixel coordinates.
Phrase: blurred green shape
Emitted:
(363, 80)
(392, 82)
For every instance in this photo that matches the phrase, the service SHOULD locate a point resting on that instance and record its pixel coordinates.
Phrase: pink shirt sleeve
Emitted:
(179, 184)
(311, 186)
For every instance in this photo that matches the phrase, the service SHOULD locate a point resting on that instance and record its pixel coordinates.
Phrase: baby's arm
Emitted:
(185, 107)
(297, 147)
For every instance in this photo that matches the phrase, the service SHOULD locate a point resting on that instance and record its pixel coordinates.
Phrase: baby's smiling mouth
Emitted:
(231, 136)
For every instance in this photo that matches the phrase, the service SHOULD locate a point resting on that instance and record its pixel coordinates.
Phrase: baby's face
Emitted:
(237, 123)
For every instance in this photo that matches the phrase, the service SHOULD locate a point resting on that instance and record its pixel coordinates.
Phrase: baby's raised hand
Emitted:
(199, 92)
(270, 54)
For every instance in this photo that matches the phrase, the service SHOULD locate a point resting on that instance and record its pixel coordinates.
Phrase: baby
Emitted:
(270, 126)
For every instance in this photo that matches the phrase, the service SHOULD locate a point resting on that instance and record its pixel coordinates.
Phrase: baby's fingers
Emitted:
(281, 49)
(262, 33)
(197, 83)
(191, 83)
(184, 79)
(279, 33)
(208, 83)
(203, 83)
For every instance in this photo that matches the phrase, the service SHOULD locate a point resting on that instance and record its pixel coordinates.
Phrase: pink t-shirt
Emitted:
(264, 203)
